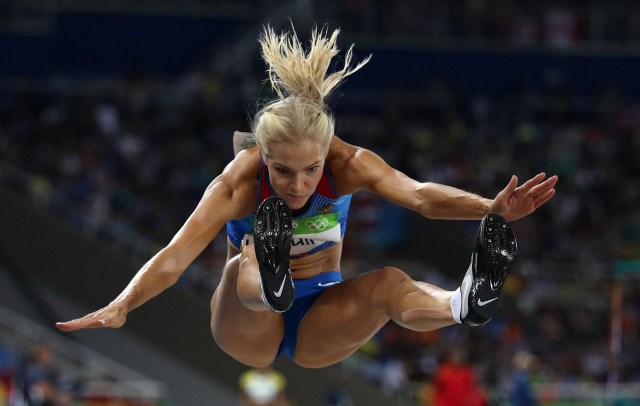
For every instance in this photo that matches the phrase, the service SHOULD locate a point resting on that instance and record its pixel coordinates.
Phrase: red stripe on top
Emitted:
(265, 189)
(324, 186)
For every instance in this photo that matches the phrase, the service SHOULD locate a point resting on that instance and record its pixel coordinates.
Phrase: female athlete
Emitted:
(285, 202)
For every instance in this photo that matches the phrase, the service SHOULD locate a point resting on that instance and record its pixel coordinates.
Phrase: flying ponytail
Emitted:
(302, 83)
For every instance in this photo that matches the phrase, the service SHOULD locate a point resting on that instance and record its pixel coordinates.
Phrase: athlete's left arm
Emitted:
(439, 201)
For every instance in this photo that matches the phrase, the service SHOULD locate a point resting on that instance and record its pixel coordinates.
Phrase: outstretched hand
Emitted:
(108, 316)
(514, 202)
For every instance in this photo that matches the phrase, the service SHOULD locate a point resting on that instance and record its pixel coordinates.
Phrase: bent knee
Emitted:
(391, 276)
(389, 285)
(245, 354)
(244, 344)
(233, 265)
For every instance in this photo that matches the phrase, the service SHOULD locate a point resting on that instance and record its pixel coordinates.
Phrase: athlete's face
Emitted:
(295, 171)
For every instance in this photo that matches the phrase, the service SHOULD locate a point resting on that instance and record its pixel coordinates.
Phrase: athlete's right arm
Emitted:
(229, 196)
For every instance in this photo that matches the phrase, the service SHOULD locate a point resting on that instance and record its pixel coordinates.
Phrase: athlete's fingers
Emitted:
(531, 183)
(71, 325)
(511, 186)
(545, 198)
(89, 321)
(541, 193)
(502, 198)
(543, 187)
(80, 324)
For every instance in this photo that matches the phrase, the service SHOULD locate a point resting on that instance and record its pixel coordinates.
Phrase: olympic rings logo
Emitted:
(317, 225)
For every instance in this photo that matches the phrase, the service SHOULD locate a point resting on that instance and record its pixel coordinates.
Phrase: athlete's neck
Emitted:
(301, 210)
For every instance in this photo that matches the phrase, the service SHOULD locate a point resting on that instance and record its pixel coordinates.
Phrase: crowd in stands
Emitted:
(558, 24)
(30, 377)
(555, 24)
(33, 373)
(141, 153)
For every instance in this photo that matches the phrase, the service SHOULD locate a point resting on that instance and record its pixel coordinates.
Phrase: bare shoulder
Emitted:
(352, 167)
(239, 180)
(243, 168)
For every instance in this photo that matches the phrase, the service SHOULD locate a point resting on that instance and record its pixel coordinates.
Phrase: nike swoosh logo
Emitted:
(322, 284)
(279, 292)
(482, 303)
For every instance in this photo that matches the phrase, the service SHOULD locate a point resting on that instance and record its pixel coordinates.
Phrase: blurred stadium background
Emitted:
(115, 115)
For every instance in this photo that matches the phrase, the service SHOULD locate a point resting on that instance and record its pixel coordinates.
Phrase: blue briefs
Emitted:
(307, 291)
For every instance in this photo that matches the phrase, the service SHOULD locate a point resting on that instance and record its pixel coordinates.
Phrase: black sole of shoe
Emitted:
(272, 237)
(502, 247)
(495, 252)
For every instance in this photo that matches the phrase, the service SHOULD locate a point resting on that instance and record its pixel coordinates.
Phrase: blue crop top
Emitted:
(321, 226)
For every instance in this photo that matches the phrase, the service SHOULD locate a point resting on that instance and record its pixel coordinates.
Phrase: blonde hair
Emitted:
(302, 84)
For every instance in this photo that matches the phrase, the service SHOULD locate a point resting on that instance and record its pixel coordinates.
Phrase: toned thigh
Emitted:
(343, 318)
(251, 337)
